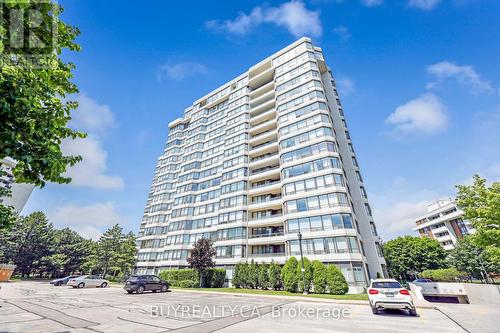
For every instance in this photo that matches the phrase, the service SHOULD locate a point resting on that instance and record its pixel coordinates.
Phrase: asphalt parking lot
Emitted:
(27, 307)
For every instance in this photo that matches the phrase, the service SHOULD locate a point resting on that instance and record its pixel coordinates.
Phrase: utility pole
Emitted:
(302, 263)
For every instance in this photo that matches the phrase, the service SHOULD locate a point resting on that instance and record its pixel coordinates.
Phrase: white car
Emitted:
(88, 281)
(389, 294)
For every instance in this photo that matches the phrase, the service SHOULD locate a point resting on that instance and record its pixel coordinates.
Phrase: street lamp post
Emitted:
(302, 263)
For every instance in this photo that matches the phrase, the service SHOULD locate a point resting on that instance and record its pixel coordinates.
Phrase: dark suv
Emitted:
(142, 283)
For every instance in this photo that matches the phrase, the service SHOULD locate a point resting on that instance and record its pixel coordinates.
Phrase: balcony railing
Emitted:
(261, 157)
(264, 144)
(262, 170)
(266, 184)
(261, 134)
(258, 201)
(260, 218)
(271, 254)
(273, 234)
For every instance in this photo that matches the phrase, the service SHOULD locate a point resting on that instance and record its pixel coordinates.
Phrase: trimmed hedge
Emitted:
(337, 285)
(289, 275)
(188, 278)
(442, 275)
(320, 282)
(319, 278)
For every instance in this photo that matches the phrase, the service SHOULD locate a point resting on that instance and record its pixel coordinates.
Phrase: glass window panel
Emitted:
(337, 221)
(316, 222)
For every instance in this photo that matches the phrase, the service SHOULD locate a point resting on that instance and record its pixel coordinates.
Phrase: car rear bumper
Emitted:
(132, 287)
(394, 305)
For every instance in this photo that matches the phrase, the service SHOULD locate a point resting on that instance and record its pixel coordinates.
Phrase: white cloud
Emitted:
(89, 221)
(465, 75)
(423, 4)
(182, 70)
(90, 172)
(91, 116)
(397, 205)
(424, 115)
(342, 32)
(372, 3)
(345, 86)
(293, 15)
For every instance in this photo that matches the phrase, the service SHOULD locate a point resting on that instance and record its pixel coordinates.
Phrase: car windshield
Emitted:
(386, 284)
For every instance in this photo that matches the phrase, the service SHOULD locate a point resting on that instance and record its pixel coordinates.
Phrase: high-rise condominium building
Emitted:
(444, 223)
(253, 163)
(19, 192)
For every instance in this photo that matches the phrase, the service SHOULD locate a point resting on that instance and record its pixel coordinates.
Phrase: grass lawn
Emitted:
(357, 297)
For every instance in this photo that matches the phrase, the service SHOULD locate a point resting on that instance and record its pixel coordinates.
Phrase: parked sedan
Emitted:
(88, 281)
(422, 280)
(141, 283)
(64, 280)
(389, 294)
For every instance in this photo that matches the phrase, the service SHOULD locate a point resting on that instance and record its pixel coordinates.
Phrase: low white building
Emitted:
(444, 223)
(20, 192)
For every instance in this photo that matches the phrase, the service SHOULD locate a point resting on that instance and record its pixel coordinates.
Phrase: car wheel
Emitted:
(140, 289)
(104, 285)
(413, 312)
(81, 285)
(374, 310)
(164, 288)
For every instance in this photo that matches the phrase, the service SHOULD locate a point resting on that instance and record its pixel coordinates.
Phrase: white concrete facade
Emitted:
(259, 159)
(444, 223)
(19, 192)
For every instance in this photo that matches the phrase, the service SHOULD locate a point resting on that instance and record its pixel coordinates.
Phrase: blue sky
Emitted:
(419, 81)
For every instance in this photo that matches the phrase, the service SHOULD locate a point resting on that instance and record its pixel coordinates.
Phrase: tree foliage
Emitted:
(471, 259)
(289, 275)
(481, 206)
(320, 281)
(274, 273)
(337, 284)
(34, 246)
(35, 84)
(407, 256)
(201, 257)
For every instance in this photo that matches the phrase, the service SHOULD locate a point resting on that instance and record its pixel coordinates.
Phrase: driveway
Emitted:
(39, 307)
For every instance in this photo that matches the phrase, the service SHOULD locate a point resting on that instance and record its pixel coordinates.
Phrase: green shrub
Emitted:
(320, 282)
(253, 275)
(274, 273)
(289, 275)
(442, 275)
(238, 276)
(215, 278)
(308, 275)
(179, 275)
(186, 284)
(337, 285)
(263, 276)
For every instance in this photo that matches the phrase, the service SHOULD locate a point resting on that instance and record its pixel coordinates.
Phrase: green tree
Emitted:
(337, 285)
(274, 273)
(125, 259)
(253, 275)
(201, 258)
(237, 281)
(471, 259)
(263, 276)
(308, 275)
(320, 281)
(28, 242)
(34, 86)
(108, 249)
(289, 275)
(407, 256)
(481, 206)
